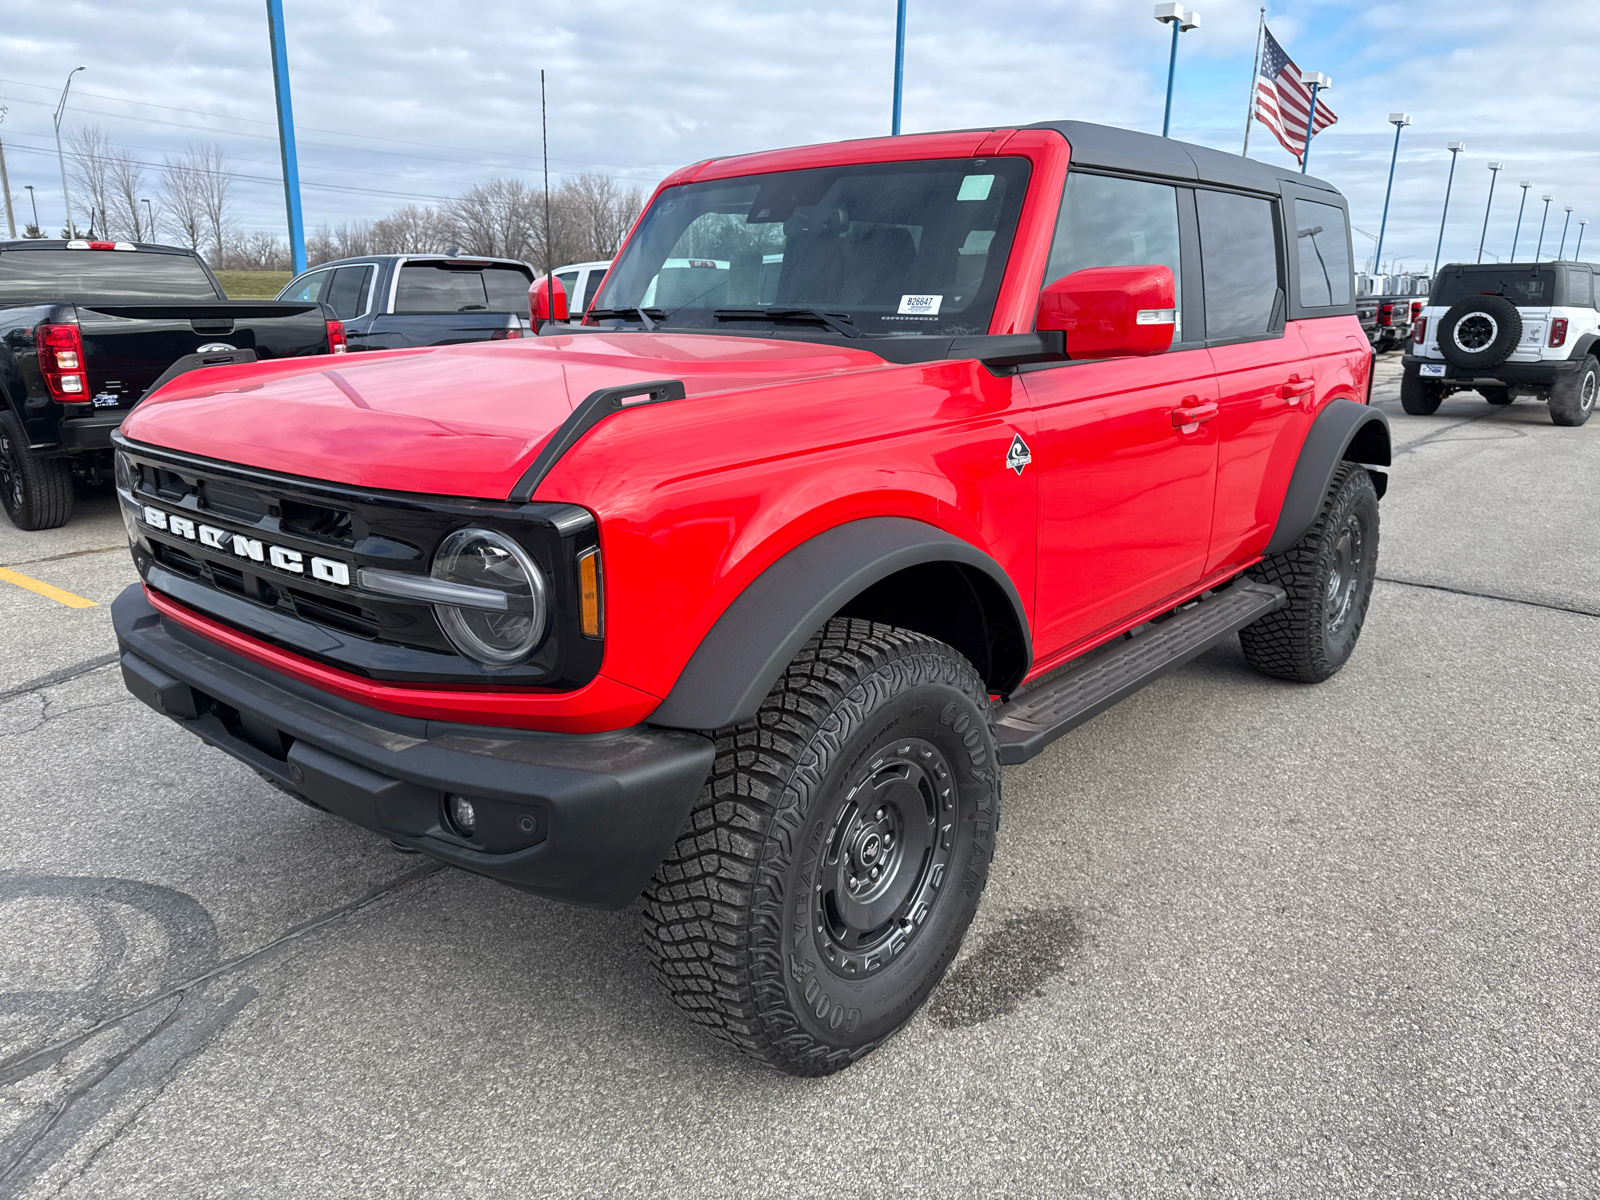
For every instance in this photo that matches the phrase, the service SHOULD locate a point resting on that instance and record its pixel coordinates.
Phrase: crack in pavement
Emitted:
(64, 675)
(1457, 591)
(23, 562)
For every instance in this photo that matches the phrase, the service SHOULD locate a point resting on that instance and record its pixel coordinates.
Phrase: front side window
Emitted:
(891, 248)
(1324, 252)
(308, 288)
(1239, 261)
(1109, 222)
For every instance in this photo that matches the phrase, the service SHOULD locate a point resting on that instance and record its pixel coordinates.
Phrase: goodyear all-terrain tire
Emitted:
(1420, 397)
(835, 858)
(1328, 575)
(35, 492)
(1572, 395)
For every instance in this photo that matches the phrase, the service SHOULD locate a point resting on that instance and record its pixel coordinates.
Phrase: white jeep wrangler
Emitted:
(1507, 330)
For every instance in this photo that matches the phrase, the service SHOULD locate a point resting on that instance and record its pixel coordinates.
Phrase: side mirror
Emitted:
(1112, 312)
(547, 301)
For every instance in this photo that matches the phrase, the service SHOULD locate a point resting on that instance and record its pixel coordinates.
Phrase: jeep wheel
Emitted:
(1420, 397)
(36, 492)
(836, 856)
(1572, 395)
(1328, 576)
(1496, 395)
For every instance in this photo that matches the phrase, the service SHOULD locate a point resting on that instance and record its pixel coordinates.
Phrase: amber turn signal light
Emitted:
(590, 610)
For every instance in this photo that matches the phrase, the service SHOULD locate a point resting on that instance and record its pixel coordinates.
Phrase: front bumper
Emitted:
(1539, 374)
(584, 818)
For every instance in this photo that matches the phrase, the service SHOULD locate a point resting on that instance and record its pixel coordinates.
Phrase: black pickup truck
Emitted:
(88, 329)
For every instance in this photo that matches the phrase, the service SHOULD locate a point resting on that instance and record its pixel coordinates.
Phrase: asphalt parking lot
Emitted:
(1243, 938)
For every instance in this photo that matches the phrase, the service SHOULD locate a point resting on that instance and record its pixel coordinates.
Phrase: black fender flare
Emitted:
(1344, 431)
(739, 660)
(1584, 346)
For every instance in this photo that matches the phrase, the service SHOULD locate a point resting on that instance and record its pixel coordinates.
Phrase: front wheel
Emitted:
(1420, 397)
(1328, 576)
(835, 858)
(1572, 396)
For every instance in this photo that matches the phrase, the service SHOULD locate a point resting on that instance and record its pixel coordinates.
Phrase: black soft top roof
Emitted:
(1146, 154)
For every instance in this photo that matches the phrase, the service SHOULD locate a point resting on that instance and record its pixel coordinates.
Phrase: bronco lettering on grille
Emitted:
(291, 562)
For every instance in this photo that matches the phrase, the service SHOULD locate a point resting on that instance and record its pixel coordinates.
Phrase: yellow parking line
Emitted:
(44, 589)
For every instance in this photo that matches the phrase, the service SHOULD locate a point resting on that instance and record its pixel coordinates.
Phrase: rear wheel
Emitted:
(1420, 397)
(835, 858)
(1496, 395)
(36, 492)
(1328, 575)
(1572, 395)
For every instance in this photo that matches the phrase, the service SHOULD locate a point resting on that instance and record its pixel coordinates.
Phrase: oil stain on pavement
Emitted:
(1011, 967)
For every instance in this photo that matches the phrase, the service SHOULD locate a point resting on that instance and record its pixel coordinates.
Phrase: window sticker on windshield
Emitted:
(975, 187)
(920, 306)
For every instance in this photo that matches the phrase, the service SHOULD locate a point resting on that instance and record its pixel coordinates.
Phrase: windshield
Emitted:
(883, 248)
(1528, 287)
(135, 276)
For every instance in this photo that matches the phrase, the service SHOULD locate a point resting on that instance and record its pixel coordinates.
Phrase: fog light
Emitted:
(462, 815)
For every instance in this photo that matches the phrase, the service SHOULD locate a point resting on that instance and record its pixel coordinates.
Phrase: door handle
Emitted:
(1295, 388)
(1188, 417)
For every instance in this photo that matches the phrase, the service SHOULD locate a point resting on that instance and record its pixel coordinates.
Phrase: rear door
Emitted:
(1125, 483)
(1266, 378)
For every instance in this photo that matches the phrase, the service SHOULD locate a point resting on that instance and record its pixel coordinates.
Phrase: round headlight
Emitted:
(482, 558)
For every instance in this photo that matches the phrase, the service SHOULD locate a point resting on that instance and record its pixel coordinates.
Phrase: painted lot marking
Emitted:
(45, 589)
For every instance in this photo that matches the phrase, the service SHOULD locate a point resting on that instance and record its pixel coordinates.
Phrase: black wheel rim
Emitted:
(1475, 331)
(10, 475)
(1349, 553)
(885, 858)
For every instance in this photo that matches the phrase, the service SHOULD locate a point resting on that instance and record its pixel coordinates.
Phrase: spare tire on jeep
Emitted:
(1480, 332)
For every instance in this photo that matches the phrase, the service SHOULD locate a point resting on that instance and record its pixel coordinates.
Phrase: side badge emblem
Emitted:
(1019, 455)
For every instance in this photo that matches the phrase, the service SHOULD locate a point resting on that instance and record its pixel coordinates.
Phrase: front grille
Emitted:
(221, 517)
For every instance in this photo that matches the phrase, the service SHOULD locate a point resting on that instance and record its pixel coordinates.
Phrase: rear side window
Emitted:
(1324, 251)
(347, 294)
(128, 276)
(1239, 259)
(1109, 222)
(1580, 288)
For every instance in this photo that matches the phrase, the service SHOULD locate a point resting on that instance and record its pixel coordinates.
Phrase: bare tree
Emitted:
(182, 201)
(126, 181)
(500, 218)
(210, 176)
(91, 174)
(410, 230)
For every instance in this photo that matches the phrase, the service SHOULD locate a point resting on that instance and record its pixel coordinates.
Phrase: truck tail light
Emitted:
(1419, 330)
(1416, 309)
(1558, 331)
(1386, 315)
(591, 609)
(61, 363)
(336, 339)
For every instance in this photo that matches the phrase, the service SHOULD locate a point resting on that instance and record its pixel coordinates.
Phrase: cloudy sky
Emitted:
(401, 101)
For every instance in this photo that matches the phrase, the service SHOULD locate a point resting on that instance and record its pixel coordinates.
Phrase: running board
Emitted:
(1039, 716)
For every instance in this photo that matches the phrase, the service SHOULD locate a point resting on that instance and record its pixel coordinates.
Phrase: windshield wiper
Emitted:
(838, 322)
(643, 315)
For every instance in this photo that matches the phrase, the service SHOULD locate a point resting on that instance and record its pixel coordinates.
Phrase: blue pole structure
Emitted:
(1494, 174)
(1399, 121)
(1524, 185)
(291, 162)
(1311, 119)
(899, 65)
(1172, 70)
(1455, 149)
(1565, 225)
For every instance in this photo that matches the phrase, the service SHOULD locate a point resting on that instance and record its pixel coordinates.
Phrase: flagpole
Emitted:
(1255, 83)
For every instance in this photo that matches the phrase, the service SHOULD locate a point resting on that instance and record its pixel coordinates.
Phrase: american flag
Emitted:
(1283, 102)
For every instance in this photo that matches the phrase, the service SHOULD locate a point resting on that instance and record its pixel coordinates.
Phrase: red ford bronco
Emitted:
(874, 467)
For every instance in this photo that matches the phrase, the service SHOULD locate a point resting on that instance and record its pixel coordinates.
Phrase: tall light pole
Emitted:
(5, 184)
(1565, 225)
(34, 200)
(61, 109)
(1455, 148)
(1399, 121)
(1579, 249)
(1181, 22)
(1317, 82)
(1524, 185)
(1494, 173)
(291, 161)
(150, 219)
(1538, 255)
(899, 65)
